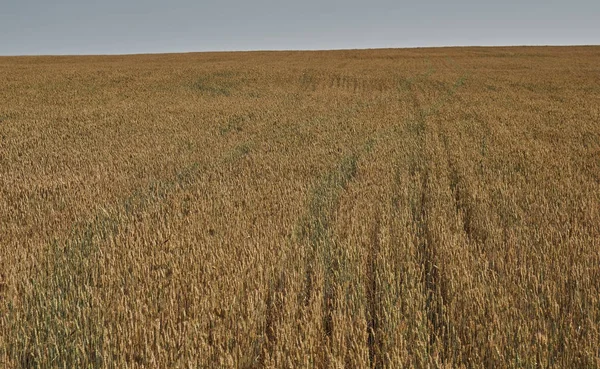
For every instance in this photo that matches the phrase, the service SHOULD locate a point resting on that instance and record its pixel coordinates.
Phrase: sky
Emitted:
(41, 27)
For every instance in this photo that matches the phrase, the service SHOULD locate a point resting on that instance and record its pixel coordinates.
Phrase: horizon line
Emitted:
(298, 50)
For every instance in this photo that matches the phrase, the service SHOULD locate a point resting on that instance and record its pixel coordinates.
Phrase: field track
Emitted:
(413, 208)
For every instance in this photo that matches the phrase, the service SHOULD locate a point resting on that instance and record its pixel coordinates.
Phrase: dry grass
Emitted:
(382, 209)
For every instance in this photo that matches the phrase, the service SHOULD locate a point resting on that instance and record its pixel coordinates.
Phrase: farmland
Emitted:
(366, 208)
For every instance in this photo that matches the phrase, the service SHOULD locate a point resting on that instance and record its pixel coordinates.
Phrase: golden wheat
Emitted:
(376, 209)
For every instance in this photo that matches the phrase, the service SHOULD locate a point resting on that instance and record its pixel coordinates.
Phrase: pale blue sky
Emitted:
(139, 26)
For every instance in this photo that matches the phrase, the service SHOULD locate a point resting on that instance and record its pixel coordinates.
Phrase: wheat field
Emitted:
(416, 208)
